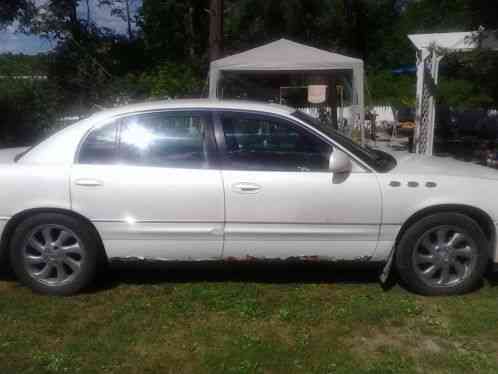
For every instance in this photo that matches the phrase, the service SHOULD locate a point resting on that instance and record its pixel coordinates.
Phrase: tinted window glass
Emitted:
(381, 161)
(164, 140)
(101, 146)
(263, 143)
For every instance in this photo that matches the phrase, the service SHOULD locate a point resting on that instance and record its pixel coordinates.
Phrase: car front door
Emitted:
(282, 202)
(147, 184)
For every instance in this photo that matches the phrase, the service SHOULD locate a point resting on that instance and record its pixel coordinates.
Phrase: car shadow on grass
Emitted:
(256, 272)
(299, 272)
(492, 278)
(272, 272)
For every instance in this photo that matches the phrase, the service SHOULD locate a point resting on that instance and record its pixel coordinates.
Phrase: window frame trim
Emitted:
(89, 131)
(212, 151)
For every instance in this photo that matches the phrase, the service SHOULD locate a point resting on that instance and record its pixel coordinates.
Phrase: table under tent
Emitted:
(294, 74)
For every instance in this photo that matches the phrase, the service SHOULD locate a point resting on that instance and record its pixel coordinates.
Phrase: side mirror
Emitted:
(340, 163)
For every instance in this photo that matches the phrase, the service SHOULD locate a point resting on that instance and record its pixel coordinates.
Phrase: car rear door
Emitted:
(282, 201)
(147, 183)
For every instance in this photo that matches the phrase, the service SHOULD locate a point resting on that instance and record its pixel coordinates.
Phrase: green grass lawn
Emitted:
(246, 319)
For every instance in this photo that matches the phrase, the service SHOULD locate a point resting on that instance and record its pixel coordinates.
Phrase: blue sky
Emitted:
(15, 42)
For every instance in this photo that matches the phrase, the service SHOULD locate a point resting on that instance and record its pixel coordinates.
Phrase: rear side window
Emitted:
(174, 140)
(256, 142)
(101, 146)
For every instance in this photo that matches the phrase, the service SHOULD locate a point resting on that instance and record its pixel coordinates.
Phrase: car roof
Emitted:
(60, 147)
(195, 104)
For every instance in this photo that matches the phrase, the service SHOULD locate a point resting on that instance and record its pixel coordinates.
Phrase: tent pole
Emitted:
(360, 95)
(214, 80)
(332, 100)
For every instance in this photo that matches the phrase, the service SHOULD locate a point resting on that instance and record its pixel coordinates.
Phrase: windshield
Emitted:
(380, 161)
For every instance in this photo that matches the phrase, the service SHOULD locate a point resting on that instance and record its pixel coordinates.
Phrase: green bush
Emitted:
(28, 110)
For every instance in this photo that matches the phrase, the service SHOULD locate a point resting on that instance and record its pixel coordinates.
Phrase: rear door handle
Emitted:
(88, 182)
(246, 188)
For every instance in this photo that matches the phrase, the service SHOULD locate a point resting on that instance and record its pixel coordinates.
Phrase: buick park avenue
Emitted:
(203, 180)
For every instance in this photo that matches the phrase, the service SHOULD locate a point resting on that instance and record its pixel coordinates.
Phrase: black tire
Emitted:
(407, 245)
(90, 246)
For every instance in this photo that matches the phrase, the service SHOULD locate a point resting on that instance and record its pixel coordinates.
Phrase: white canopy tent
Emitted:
(431, 49)
(285, 56)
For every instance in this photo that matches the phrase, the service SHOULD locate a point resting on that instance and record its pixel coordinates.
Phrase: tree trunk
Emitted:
(88, 13)
(73, 14)
(189, 26)
(74, 24)
(128, 18)
(216, 30)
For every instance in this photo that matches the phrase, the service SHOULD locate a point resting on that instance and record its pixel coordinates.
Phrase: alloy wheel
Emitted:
(53, 255)
(444, 256)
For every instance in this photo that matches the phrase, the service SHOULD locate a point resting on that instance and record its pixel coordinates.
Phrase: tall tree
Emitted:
(253, 22)
(175, 30)
(88, 13)
(21, 11)
(123, 9)
(484, 13)
(216, 18)
(59, 18)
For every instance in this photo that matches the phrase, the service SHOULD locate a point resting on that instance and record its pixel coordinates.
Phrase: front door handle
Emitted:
(88, 183)
(246, 188)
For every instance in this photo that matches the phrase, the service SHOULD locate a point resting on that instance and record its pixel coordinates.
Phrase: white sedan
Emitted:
(211, 180)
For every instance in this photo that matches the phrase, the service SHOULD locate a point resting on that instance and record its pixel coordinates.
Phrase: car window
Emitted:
(101, 146)
(176, 140)
(381, 161)
(256, 142)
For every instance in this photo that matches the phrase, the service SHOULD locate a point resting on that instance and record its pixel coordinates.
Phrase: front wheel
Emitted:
(54, 254)
(442, 254)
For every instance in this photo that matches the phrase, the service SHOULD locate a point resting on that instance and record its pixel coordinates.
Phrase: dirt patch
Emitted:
(376, 341)
(7, 286)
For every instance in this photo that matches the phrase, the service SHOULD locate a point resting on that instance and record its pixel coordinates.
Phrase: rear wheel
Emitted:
(54, 254)
(442, 254)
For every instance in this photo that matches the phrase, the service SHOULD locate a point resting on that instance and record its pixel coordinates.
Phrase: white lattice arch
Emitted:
(431, 49)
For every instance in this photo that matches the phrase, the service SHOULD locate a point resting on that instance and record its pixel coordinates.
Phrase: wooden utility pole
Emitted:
(216, 30)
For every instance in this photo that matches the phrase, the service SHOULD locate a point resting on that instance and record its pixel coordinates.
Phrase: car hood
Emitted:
(7, 155)
(430, 165)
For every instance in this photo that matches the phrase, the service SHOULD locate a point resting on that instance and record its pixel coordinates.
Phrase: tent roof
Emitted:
(286, 55)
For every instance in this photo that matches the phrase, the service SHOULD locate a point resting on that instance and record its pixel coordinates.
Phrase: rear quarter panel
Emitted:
(26, 187)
